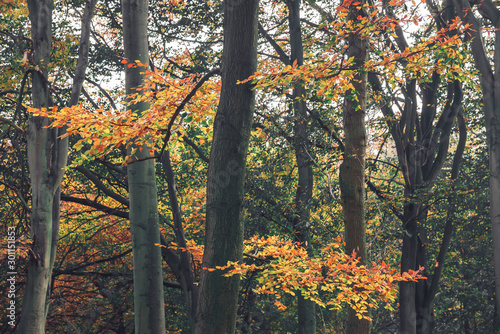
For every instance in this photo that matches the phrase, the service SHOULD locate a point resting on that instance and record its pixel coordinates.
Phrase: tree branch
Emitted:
(95, 205)
(196, 148)
(100, 185)
(182, 105)
(88, 264)
(281, 54)
(11, 123)
(104, 92)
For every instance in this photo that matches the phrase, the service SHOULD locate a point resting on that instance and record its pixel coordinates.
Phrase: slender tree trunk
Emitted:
(422, 145)
(407, 158)
(494, 182)
(218, 297)
(185, 275)
(407, 290)
(149, 306)
(352, 170)
(303, 197)
(490, 84)
(47, 156)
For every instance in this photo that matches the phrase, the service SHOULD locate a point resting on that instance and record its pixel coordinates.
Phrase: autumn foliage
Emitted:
(92, 279)
(105, 130)
(331, 279)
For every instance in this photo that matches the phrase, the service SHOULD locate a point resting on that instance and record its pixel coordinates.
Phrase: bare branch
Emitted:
(95, 205)
(100, 185)
(282, 55)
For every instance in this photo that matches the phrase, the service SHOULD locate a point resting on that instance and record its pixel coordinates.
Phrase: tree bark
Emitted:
(149, 306)
(422, 144)
(489, 76)
(47, 156)
(352, 170)
(186, 276)
(303, 197)
(226, 174)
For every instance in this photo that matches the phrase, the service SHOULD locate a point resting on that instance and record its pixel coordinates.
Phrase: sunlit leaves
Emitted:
(104, 130)
(329, 74)
(283, 267)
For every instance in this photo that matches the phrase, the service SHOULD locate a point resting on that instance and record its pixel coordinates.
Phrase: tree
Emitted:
(47, 155)
(303, 196)
(226, 173)
(352, 170)
(489, 80)
(417, 87)
(422, 143)
(148, 271)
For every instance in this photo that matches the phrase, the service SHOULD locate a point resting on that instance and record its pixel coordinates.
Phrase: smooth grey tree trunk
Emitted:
(47, 156)
(218, 295)
(149, 306)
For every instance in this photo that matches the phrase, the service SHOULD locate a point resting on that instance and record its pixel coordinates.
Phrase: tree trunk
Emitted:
(422, 145)
(490, 84)
(352, 170)
(185, 273)
(226, 174)
(149, 306)
(303, 197)
(47, 156)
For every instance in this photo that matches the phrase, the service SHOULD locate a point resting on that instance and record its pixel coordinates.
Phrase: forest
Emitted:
(246, 166)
